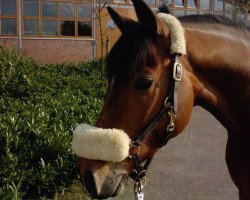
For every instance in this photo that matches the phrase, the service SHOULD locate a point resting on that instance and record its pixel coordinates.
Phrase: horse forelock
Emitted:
(130, 52)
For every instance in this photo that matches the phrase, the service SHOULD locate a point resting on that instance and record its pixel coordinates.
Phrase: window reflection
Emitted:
(84, 10)
(30, 8)
(204, 4)
(191, 3)
(49, 9)
(84, 28)
(31, 27)
(150, 2)
(67, 10)
(67, 28)
(49, 27)
(218, 5)
(8, 26)
(179, 3)
(179, 13)
(7, 7)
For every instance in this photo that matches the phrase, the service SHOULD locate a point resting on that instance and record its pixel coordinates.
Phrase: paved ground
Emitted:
(192, 166)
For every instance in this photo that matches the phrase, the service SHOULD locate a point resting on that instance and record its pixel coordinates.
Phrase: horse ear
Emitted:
(147, 17)
(120, 21)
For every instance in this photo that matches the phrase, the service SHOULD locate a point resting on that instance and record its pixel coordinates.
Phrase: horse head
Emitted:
(139, 70)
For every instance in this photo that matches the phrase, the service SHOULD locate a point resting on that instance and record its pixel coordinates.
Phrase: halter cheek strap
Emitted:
(170, 107)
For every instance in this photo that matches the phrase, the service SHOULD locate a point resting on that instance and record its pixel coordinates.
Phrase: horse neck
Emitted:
(220, 66)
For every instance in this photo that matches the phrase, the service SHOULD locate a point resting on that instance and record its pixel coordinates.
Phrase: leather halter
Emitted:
(170, 107)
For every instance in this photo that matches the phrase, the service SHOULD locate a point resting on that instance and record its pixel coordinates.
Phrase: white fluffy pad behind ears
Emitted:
(177, 36)
(100, 144)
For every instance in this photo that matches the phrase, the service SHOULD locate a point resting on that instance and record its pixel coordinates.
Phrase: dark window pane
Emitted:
(84, 10)
(68, 28)
(49, 27)
(67, 10)
(8, 7)
(31, 27)
(30, 8)
(49, 9)
(8, 26)
(84, 28)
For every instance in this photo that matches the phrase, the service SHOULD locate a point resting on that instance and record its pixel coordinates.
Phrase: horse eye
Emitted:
(143, 84)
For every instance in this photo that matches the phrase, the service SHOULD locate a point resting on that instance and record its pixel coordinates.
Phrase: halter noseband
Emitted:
(170, 107)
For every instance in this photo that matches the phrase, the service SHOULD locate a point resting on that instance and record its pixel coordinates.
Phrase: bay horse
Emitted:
(158, 70)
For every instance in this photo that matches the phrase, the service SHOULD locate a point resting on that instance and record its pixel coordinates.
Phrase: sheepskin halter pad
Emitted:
(177, 36)
(100, 144)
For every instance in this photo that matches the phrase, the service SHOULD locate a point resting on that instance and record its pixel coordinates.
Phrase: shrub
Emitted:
(39, 107)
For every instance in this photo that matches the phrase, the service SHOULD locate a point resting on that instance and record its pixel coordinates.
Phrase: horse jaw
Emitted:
(103, 179)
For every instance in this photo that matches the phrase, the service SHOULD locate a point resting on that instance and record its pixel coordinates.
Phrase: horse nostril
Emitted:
(89, 183)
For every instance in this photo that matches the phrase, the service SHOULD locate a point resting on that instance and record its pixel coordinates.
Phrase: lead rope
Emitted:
(170, 108)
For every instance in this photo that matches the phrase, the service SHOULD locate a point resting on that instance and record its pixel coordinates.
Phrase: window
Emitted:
(191, 3)
(57, 18)
(8, 26)
(49, 9)
(67, 10)
(30, 8)
(8, 7)
(84, 11)
(179, 3)
(8, 17)
(30, 27)
(204, 4)
(84, 28)
(49, 27)
(179, 13)
(218, 5)
(150, 2)
(67, 28)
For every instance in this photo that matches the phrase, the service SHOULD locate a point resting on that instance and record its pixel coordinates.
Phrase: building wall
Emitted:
(49, 51)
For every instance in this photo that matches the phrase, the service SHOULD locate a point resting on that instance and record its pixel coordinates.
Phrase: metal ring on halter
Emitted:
(167, 104)
(136, 146)
(138, 186)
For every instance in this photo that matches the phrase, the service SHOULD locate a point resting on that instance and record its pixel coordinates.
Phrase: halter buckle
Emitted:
(177, 71)
(171, 125)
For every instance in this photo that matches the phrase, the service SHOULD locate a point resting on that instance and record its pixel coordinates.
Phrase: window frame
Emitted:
(58, 20)
(10, 17)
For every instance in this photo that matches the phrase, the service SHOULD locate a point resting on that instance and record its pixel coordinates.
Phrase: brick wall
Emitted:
(9, 42)
(53, 50)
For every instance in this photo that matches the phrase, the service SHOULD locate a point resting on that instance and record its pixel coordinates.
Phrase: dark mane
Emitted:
(212, 19)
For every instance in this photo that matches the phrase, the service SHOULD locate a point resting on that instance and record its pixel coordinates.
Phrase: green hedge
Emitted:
(39, 107)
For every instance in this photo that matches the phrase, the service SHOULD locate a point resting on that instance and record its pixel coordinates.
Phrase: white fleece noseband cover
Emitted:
(100, 144)
(113, 144)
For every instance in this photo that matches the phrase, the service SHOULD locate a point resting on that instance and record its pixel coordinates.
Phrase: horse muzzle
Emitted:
(102, 184)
